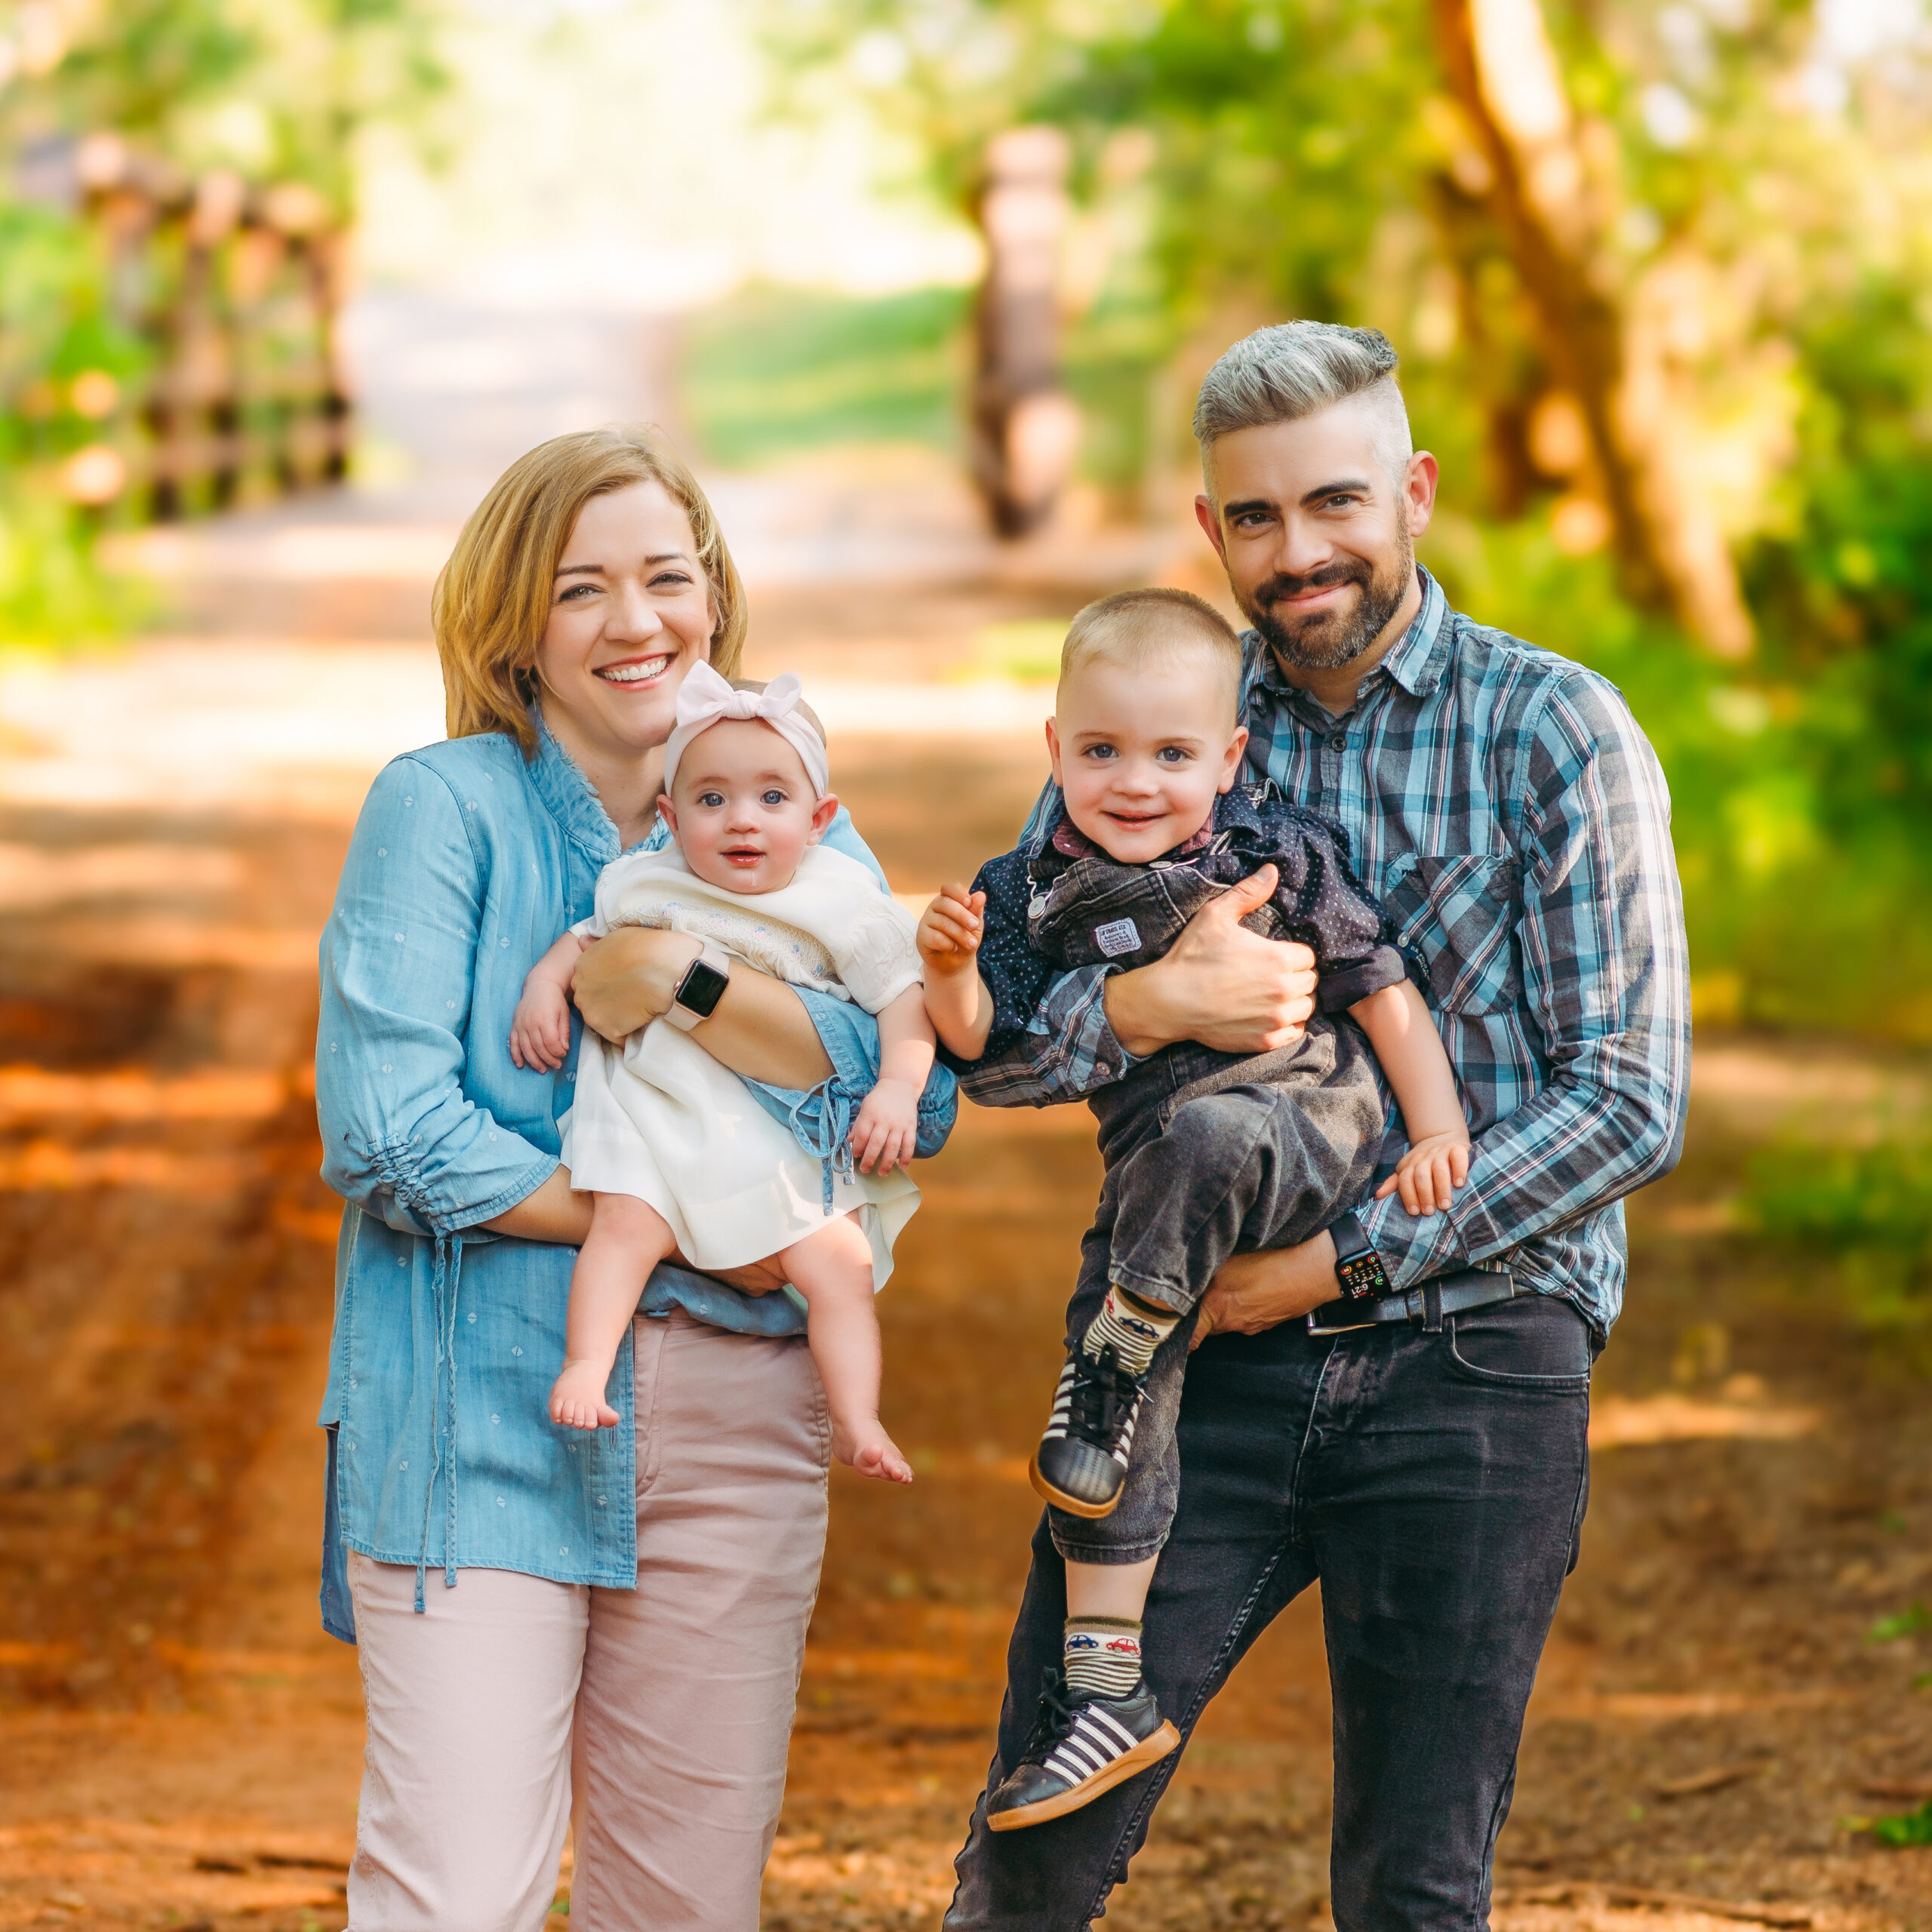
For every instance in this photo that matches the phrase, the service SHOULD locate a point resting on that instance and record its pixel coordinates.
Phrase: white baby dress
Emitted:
(660, 1118)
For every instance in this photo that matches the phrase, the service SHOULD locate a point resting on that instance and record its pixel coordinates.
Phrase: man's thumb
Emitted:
(1245, 895)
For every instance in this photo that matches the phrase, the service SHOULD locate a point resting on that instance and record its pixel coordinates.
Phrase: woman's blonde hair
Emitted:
(493, 597)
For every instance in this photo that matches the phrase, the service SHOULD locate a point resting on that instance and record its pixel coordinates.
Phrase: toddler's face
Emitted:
(1141, 750)
(743, 812)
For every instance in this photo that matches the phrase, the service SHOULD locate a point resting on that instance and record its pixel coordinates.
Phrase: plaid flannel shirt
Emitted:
(1503, 805)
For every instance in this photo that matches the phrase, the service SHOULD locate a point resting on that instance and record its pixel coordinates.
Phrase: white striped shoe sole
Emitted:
(1110, 1771)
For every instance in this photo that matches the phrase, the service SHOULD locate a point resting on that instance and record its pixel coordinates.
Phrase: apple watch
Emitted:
(700, 989)
(1358, 1267)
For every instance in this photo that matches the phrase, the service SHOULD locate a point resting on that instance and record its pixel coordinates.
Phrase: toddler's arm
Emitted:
(540, 1027)
(959, 1002)
(887, 1128)
(1406, 1042)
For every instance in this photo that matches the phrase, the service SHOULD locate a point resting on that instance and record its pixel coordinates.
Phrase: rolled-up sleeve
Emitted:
(1606, 987)
(401, 1139)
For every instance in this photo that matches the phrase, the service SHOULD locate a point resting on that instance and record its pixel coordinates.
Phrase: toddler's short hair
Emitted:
(1137, 627)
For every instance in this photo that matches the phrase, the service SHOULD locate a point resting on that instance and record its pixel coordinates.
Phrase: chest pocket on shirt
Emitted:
(1457, 916)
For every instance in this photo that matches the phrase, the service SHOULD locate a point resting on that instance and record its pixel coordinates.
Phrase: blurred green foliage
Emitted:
(1911, 1827)
(1863, 1217)
(1259, 159)
(771, 370)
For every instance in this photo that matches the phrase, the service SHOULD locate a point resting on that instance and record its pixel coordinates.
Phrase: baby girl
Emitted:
(682, 1159)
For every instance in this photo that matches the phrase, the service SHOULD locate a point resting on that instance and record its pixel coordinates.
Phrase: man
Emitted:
(1398, 1406)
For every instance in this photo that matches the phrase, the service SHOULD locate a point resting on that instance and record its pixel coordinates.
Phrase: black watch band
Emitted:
(1358, 1268)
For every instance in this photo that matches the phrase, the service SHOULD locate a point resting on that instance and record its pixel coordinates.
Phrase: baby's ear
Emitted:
(823, 813)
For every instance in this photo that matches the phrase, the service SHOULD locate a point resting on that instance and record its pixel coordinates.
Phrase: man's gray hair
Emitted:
(1281, 373)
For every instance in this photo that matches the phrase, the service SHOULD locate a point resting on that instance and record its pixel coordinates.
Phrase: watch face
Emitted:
(702, 987)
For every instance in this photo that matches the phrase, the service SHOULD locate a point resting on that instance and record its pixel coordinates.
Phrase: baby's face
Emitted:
(743, 812)
(1141, 750)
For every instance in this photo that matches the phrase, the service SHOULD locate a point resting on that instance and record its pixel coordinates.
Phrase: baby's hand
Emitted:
(540, 1027)
(951, 929)
(1427, 1175)
(887, 1131)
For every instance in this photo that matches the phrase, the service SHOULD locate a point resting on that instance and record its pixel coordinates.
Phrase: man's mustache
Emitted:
(1355, 570)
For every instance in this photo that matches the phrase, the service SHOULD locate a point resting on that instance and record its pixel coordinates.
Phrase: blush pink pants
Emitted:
(675, 1699)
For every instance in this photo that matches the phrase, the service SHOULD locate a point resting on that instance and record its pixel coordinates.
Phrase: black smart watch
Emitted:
(700, 989)
(1358, 1267)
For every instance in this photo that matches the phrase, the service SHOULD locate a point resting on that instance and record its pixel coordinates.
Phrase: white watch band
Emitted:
(683, 1017)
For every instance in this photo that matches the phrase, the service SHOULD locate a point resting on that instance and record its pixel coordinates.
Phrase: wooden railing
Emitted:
(236, 287)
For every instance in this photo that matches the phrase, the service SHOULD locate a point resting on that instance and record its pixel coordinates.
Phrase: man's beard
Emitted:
(1326, 639)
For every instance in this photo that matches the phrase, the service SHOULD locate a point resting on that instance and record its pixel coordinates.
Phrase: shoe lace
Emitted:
(1057, 1714)
(1102, 1395)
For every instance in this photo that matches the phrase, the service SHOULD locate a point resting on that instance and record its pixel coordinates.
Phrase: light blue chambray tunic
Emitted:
(466, 863)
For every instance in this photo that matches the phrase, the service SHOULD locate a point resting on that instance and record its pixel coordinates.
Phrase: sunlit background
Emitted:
(925, 288)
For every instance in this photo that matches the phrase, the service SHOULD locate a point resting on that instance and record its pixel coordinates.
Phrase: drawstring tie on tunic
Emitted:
(822, 1121)
(443, 1288)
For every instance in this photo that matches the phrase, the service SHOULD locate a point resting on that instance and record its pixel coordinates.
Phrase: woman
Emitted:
(655, 1580)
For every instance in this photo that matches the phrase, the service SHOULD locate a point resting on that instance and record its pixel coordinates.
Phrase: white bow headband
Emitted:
(705, 699)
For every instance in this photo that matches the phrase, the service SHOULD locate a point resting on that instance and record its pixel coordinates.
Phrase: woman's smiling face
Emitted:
(630, 613)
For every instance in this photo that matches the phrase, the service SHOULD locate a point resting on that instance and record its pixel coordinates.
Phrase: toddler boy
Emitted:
(1207, 1153)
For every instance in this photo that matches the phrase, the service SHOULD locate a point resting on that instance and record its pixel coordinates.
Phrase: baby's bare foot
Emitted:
(576, 1398)
(867, 1447)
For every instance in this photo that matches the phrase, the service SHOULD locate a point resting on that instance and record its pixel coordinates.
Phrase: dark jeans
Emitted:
(1193, 1176)
(1436, 1484)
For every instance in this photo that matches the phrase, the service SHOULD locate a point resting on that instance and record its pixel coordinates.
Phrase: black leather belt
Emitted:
(1451, 1294)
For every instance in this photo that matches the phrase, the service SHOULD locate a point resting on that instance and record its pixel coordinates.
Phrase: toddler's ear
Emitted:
(1230, 764)
(823, 813)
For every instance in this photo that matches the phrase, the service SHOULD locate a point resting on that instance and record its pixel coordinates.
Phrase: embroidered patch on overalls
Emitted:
(1123, 936)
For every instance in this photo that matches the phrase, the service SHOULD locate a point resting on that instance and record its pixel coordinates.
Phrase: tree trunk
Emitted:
(1497, 58)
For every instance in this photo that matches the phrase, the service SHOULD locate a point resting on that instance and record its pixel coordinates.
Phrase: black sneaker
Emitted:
(1081, 1465)
(1081, 1746)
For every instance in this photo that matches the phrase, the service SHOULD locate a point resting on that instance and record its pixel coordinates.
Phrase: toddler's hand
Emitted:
(540, 1029)
(1428, 1174)
(951, 929)
(887, 1132)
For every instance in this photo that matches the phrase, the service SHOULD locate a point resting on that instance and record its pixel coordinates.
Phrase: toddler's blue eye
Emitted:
(1099, 751)
(774, 797)
(711, 800)
(1173, 754)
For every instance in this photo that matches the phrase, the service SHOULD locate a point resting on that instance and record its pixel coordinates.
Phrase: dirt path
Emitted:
(179, 1746)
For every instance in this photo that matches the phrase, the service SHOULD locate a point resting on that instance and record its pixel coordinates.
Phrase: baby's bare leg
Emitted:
(833, 1270)
(627, 1238)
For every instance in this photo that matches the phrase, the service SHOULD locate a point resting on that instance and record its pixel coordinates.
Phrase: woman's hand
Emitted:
(1252, 1292)
(760, 1029)
(627, 980)
(1219, 983)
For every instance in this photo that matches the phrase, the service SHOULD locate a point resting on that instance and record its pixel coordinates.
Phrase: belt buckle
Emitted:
(1315, 1327)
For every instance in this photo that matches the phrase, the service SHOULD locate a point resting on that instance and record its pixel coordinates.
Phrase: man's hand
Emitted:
(627, 980)
(1219, 984)
(1252, 1292)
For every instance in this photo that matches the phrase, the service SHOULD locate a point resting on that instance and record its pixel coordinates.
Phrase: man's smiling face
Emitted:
(1315, 520)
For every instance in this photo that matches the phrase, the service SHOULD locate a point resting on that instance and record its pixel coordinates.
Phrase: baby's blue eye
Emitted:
(1173, 754)
(774, 797)
(711, 800)
(1099, 751)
